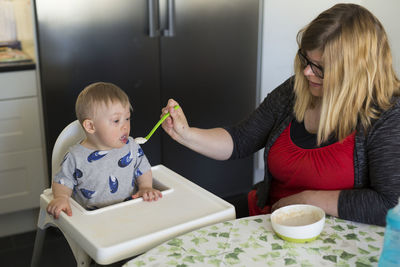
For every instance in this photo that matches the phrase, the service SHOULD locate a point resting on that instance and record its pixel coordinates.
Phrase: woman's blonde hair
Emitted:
(96, 94)
(359, 80)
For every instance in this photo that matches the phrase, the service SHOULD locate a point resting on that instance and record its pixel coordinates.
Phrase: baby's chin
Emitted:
(121, 144)
(118, 144)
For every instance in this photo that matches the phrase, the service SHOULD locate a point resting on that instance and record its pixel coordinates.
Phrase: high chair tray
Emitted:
(127, 229)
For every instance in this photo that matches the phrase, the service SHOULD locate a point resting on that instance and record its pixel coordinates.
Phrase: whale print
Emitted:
(128, 198)
(74, 189)
(113, 183)
(133, 181)
(65, 157)
(124, 161)
(61, 181)
(96, 155)
(140, 152)
(75, 185)
(87, 193)
(138, 173)
(77, 173)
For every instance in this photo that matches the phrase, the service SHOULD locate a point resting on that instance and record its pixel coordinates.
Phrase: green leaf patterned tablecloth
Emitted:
(251, 242)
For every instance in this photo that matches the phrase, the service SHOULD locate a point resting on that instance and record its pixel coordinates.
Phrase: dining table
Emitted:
(251, 241)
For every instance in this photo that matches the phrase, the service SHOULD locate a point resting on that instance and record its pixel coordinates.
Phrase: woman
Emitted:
(331, 133)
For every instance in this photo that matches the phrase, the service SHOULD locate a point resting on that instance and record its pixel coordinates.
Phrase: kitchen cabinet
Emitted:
(23, 166)
(22, 158)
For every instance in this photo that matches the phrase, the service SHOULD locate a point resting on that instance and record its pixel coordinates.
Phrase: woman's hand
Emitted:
(299, 198)
(214, 143)
(325, 199)
(176, 124)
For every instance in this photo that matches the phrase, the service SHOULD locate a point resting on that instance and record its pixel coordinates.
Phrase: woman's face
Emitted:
(314, 82)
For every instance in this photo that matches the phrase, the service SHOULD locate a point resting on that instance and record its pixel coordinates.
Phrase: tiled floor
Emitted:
(16, 250)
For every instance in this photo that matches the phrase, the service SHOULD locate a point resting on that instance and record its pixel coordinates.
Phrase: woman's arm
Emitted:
(381, 162)
(238, 141)
(325, 199)
(215, 143)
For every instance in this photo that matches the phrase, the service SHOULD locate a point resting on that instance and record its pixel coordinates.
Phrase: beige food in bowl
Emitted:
(298, 223)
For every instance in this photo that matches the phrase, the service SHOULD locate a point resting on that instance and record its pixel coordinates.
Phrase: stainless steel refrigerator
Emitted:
(203, 53)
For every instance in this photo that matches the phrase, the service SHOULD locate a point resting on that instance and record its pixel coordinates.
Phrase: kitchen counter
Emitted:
(17, 66)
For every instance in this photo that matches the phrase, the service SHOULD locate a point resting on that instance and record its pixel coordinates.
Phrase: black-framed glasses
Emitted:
(317, 70)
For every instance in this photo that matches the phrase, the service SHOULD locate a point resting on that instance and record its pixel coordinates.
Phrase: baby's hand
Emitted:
(148, 194)
(59, 204)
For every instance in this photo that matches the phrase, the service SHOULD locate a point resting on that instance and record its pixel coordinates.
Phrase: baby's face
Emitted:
(112, 123)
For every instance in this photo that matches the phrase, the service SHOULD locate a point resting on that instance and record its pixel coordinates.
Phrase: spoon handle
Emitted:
(159, 123)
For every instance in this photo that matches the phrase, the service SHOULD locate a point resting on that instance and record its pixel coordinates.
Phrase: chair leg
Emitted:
(38, 247)
(81, 257)
(44, 220)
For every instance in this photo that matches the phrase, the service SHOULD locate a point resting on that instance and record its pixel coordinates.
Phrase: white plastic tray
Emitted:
(127, 229)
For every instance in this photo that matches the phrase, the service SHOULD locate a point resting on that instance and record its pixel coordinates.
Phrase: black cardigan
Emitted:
(376, 155)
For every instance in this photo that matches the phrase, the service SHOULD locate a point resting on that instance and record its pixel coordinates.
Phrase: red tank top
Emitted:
(295, 169)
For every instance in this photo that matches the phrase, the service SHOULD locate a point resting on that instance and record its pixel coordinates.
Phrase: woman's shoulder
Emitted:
(285, 89)
(396, 103)
(388, 120)
(394, 110)
(282, 97)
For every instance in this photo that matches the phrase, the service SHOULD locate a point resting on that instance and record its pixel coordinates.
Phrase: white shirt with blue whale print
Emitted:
(100, 178)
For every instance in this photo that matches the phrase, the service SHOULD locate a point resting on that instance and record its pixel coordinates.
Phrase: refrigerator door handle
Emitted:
(170, 31)
(153, 18)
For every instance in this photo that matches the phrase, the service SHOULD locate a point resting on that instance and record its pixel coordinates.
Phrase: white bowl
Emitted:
(298, 223)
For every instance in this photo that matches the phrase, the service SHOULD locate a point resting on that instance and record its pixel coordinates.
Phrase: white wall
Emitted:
(284, 18)
(387, 12)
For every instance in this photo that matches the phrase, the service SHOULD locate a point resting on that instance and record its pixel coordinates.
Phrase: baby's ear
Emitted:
(88, 126)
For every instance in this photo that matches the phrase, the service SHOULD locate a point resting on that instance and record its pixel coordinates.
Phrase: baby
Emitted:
(107, 166)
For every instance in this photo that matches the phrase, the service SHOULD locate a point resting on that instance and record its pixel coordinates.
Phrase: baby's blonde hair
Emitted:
(359, 80)
(96, 94)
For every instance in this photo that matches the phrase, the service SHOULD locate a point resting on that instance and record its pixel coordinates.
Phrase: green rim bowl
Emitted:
(298, 223)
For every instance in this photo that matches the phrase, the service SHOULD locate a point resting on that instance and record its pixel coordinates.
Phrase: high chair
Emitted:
(126, 229)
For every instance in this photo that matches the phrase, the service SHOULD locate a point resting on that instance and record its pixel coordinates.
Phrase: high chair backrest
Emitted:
(71, 135)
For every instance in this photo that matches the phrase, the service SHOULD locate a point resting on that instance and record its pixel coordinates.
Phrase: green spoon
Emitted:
(142, 140)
